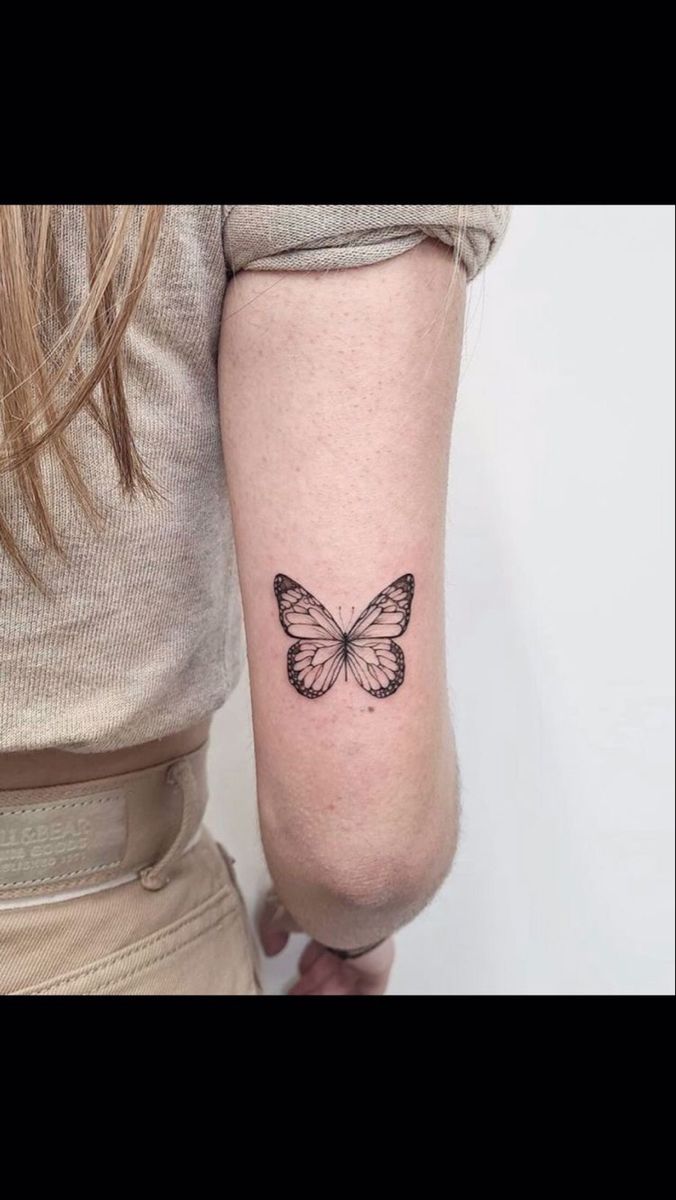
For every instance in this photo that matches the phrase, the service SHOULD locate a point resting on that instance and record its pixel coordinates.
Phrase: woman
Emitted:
(178, 384)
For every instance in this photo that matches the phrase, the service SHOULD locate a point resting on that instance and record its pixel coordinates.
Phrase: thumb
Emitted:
(275, 924)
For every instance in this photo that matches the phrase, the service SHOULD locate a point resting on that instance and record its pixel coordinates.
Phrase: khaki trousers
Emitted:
(115, 887)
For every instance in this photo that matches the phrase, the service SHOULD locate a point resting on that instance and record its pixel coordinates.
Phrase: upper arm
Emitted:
(337, 392)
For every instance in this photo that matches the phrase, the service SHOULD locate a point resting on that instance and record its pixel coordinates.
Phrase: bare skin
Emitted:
(45, 768)
(337, 396)
(321, 973)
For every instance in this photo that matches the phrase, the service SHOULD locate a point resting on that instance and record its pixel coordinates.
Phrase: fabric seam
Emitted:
(160, 957)
(18, 883)
(15, 812)
(160, 935)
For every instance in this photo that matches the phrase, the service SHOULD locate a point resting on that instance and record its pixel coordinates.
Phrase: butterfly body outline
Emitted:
(366, 649)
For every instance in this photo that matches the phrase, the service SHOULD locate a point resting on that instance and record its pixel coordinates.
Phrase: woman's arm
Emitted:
(337, 393)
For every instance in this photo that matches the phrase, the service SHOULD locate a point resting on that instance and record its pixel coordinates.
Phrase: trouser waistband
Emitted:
(69, 836)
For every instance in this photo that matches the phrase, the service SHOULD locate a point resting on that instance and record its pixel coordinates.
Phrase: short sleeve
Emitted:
(320, 237)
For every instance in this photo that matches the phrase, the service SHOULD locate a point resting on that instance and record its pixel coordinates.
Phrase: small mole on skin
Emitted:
(371, 709)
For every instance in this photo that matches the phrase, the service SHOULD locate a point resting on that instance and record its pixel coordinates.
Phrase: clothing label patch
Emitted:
(64, 839)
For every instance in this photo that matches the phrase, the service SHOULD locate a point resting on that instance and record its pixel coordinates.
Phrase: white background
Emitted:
(560, 600)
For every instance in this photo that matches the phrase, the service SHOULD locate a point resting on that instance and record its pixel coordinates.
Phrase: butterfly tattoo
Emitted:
(365, 649)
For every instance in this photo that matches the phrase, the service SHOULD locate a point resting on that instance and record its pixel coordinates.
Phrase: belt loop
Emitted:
(179, 775)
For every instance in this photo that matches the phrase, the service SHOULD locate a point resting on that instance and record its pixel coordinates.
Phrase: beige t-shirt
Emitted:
(138, 633)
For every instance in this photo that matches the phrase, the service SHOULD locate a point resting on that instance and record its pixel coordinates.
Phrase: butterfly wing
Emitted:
(302, 616)
(314, 661)
(378, 667)
(388, 614)
(313, 667)
(375, 660)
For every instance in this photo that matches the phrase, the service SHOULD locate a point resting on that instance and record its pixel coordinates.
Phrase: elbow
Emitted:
(366, 884)
(394, 877)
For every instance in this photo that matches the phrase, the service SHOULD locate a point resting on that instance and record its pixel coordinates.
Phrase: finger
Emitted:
(332, 987)
(318, 973)
(273, 941)
(272, 935)
(371, 987)
(335, 987)
(309, 957)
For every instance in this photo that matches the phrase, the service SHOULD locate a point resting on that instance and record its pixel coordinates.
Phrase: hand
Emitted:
(321, 972)
(324, 974)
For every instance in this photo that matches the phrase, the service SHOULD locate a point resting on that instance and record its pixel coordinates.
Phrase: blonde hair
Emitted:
(44, 383)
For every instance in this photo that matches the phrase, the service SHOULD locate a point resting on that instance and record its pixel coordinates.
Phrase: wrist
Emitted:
(356, 952)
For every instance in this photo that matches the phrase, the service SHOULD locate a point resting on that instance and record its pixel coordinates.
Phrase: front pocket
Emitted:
(191, 956)
(191, 937)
